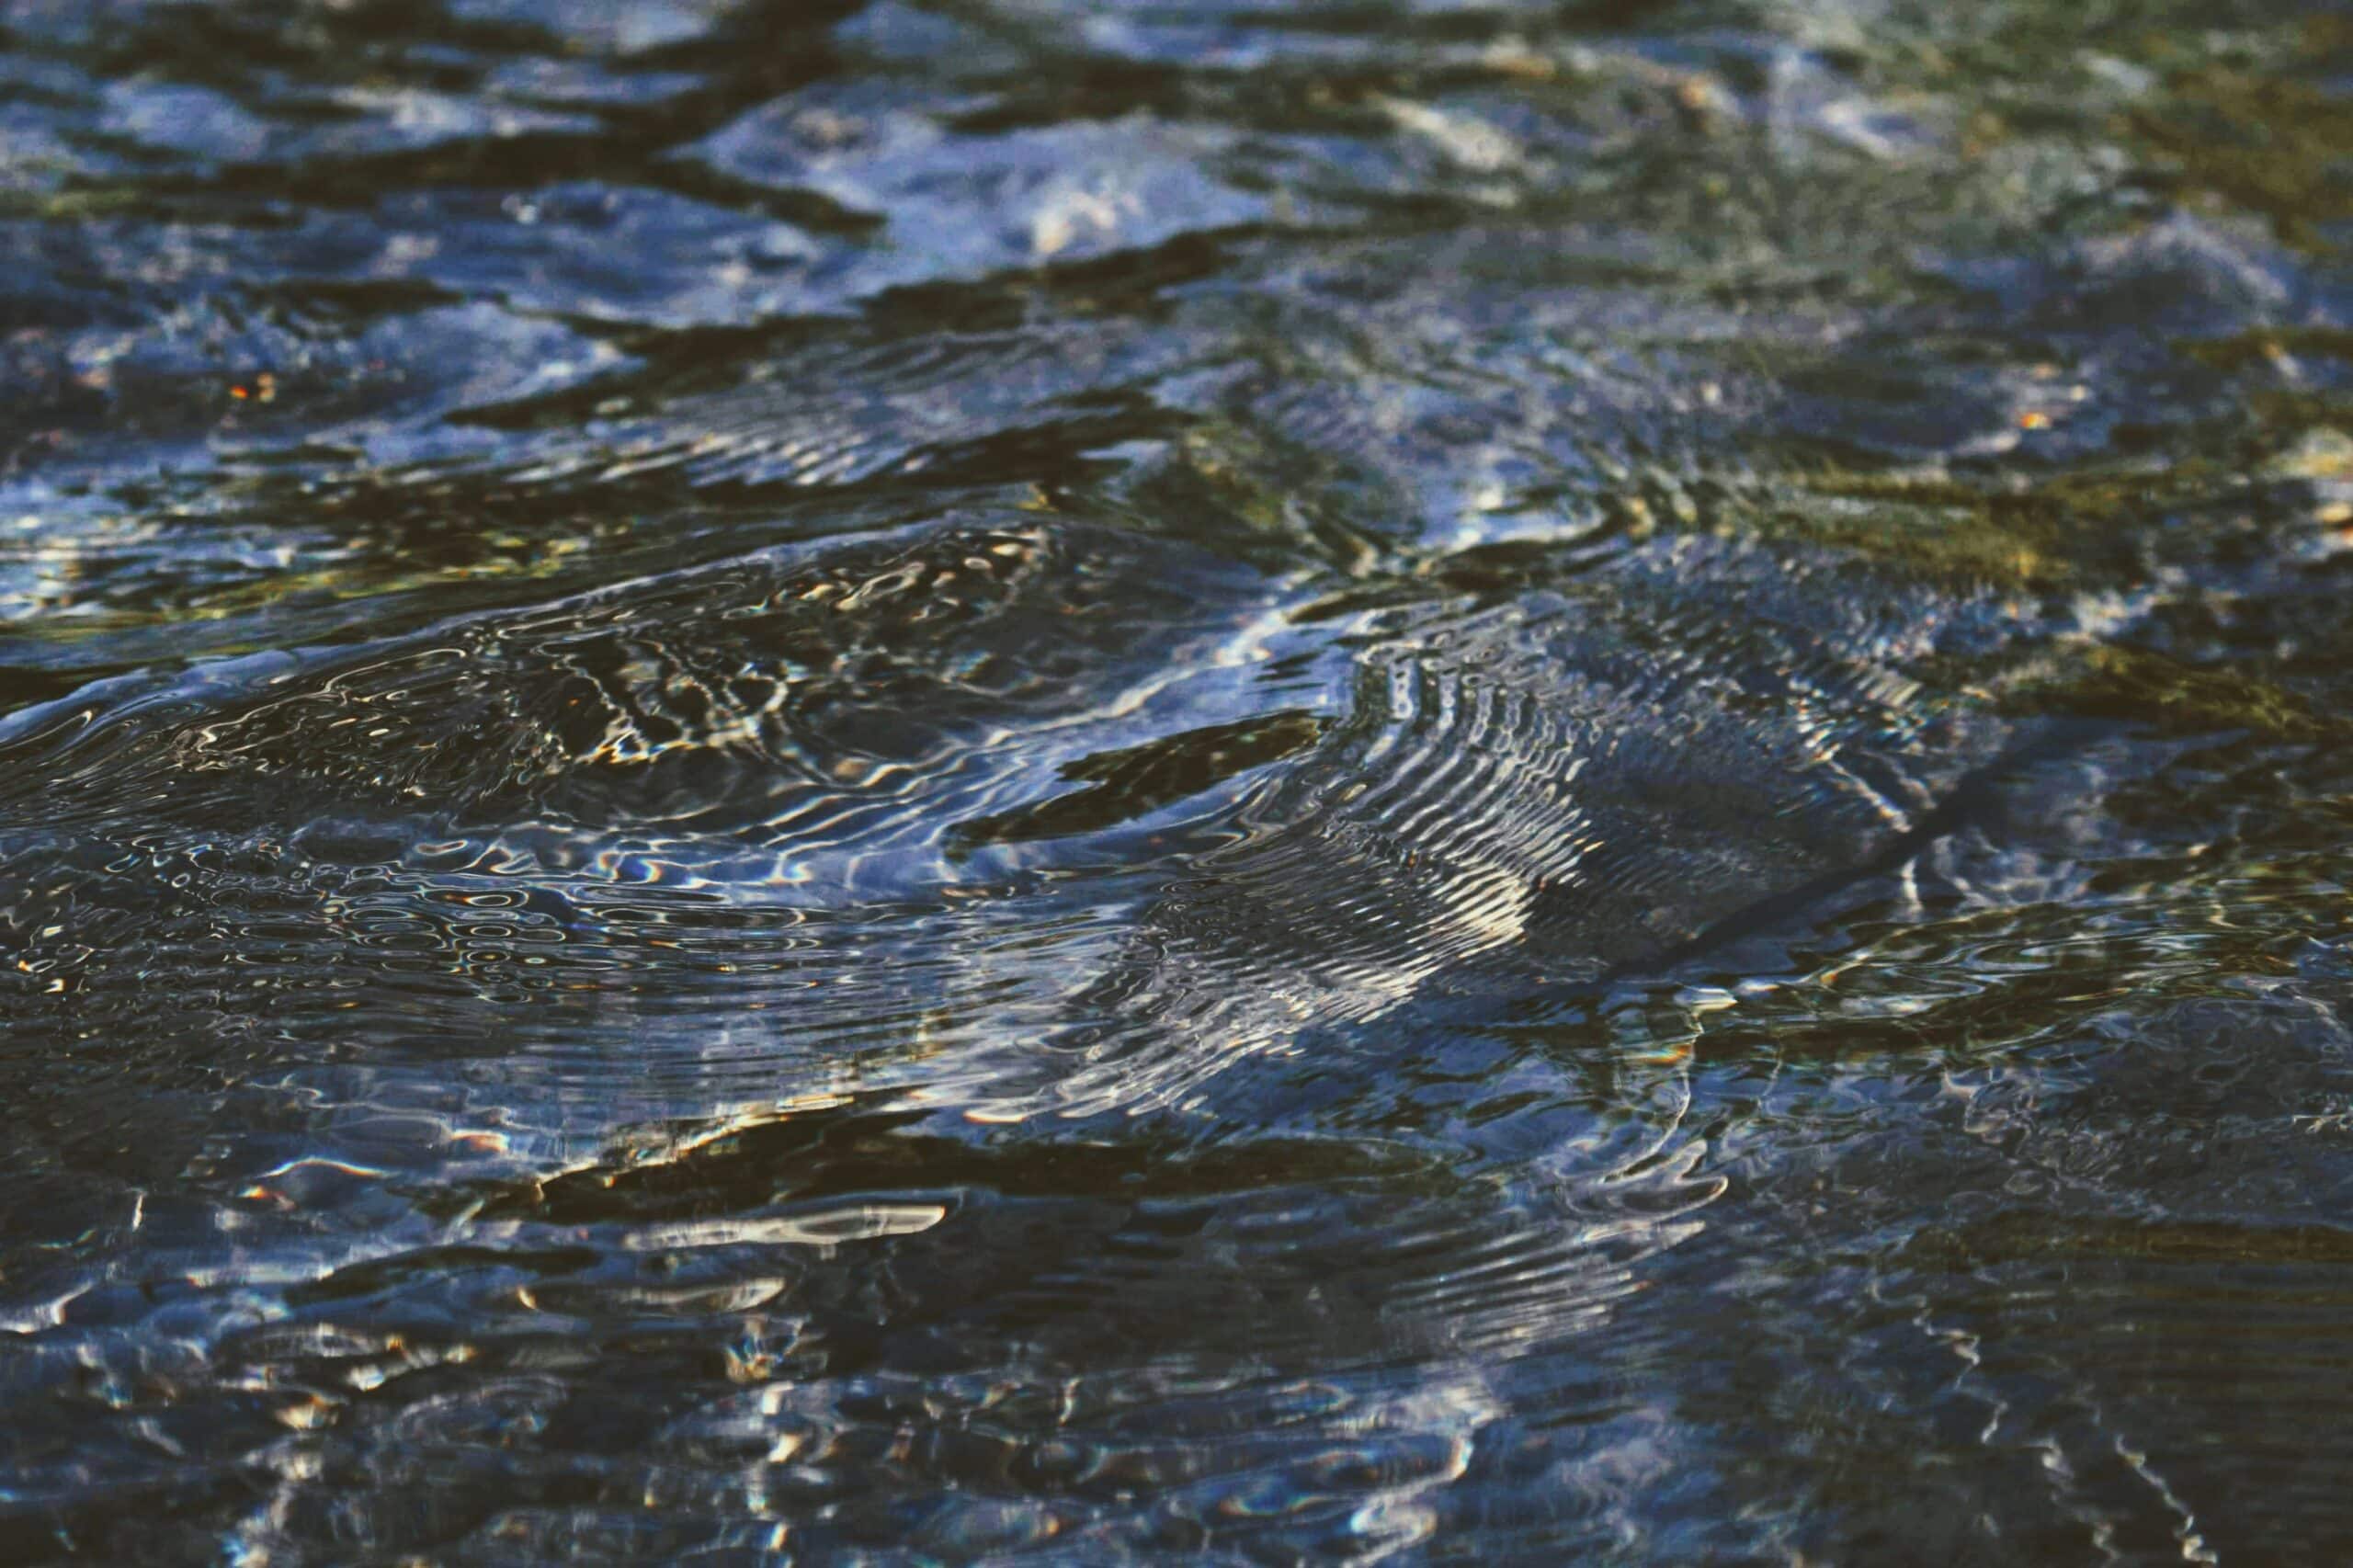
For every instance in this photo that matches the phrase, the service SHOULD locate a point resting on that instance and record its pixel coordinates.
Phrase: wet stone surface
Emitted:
(1070, 781)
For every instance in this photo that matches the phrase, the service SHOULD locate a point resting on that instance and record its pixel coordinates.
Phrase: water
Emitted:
(1053, 781)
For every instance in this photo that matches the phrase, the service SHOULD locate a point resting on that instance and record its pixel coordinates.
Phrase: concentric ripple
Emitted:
(1579, 781)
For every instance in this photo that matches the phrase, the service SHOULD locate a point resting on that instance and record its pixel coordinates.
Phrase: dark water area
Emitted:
(1100, 780)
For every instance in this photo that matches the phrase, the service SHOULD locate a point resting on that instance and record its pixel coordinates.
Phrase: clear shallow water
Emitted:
(1035, 781)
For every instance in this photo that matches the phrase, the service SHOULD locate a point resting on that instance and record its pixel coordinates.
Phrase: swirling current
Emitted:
(1258, 781)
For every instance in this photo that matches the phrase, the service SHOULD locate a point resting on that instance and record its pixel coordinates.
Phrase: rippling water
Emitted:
(1083, 781)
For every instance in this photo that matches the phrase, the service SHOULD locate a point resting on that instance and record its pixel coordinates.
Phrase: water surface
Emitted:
(1083, 781)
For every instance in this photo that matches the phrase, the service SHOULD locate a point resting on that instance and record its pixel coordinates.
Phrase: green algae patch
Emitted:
(2068, 532)
(2115, 681)
(2275, 146)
